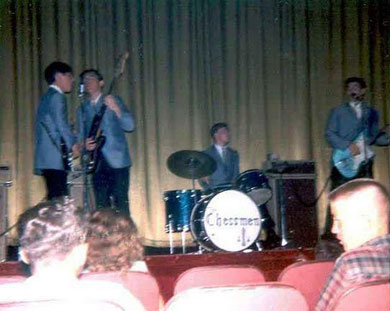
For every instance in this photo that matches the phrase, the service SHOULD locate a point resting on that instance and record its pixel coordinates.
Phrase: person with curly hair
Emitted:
(53, 242)
(113, 243)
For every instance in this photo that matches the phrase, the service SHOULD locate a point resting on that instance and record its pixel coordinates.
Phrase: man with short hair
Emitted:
(52, 240)
(54, 139)
(353, 126)
(227, 159)
(111, 179)
(361, 222)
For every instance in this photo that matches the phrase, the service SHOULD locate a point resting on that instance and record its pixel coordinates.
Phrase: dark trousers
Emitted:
(56, 183)
(111, 186)
(336, 180)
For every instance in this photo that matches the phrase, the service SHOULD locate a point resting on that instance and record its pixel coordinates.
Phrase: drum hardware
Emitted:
(189, 164)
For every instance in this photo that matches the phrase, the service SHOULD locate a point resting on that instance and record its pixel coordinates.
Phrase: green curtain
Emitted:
(272, 69)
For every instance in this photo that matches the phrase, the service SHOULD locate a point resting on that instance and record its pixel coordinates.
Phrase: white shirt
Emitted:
(357, 106)
(95, 101)
(220, 150)
(56, 88)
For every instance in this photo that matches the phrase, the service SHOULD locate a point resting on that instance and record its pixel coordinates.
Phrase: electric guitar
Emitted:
(349, 165)
(95, 132)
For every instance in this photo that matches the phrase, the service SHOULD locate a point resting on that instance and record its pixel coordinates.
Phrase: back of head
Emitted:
(113, 242)
(56, 67)
(50, 231)
(361, 211)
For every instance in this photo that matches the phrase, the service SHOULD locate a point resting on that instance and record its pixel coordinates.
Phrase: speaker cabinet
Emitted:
(76, 187)
(5, 182)
(293, 208)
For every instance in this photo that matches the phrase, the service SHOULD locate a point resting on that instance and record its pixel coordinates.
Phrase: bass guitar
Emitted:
(95, 132)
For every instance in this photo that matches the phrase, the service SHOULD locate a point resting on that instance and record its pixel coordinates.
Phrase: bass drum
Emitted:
(228, 221)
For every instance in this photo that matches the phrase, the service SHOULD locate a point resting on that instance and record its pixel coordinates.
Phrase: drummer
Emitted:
(227, 159)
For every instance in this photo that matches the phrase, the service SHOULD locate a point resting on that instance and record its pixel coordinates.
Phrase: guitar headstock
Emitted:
(120, 65)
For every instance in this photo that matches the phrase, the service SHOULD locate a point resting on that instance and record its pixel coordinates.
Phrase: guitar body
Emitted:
(349, 165)
(94, 155)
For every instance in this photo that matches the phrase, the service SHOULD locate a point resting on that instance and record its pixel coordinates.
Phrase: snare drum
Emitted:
(179, 205)
(255, 184)
(228, 221)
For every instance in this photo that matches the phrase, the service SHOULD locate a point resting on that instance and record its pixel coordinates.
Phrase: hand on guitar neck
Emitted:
(111, 103)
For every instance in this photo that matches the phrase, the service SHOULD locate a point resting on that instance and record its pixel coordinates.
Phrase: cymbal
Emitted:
(191, 164)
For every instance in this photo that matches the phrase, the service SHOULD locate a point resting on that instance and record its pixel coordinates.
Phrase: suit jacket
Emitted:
(226, 171)
(51, 124)
(115, 150)
(343, 126)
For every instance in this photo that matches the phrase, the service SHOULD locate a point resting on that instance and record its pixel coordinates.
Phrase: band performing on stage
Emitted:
(230, 213)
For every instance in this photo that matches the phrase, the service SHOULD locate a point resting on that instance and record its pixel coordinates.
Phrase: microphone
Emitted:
(81, 89)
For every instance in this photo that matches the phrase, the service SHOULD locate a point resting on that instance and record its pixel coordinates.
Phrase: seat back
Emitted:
(60, 305)
(367, 296)
(222, 275)
(308, 277)
(11, 279)
(142, 285)
(266, 296)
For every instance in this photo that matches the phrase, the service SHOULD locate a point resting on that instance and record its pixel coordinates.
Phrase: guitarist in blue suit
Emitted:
(111, 178)
(54, 139)
(352, 127)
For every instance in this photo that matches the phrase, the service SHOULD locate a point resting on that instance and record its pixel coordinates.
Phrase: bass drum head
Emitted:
(228, 221)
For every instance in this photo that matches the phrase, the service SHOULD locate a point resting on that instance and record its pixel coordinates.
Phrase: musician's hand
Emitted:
(112, 104)
(90, 144)
(354, 149)
(76, 150)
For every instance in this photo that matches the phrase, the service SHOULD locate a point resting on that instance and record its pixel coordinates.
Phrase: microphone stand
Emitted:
(85, 183)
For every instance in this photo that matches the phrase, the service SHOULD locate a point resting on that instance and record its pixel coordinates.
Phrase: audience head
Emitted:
(60, 74)
(52, 233)
(219, 132)
(113, 242)
(361, 212)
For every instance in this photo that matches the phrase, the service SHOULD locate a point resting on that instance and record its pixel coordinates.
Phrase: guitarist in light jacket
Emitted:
(53, 135)
(349, 123)
(111, 178)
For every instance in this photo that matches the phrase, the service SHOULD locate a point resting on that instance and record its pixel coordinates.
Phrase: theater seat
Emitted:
(222, 275)
(60, 305)
(142, 285)
(308, 277)
(367, 296)
(11, 279)
(267, 296)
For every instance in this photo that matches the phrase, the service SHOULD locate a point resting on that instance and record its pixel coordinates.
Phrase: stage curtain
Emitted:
(271, 69)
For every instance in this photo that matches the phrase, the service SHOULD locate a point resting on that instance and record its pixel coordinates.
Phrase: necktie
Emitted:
(224, 154)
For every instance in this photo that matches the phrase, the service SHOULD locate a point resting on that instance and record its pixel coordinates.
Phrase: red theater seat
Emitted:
(11, 279)
(60, 305)
(218, 276)
(308, 277)
(266, 296)
(142, 285)
(367, 296)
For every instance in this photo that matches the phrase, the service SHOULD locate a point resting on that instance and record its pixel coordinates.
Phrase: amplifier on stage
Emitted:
(5, 182)
(293, 204)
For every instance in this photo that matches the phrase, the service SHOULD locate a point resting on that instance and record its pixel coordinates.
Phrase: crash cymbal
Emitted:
(191, 164)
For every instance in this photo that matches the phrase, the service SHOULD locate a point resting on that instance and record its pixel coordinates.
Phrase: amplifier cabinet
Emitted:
(293, 208)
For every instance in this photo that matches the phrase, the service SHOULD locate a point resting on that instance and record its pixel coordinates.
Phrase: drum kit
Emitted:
(227, 218)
